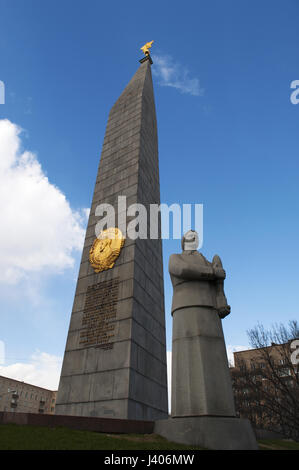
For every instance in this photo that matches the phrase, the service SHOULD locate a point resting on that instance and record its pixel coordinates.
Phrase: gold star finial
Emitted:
(146, 48)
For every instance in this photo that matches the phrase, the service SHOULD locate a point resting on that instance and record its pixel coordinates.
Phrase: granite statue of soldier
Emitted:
(201, 383)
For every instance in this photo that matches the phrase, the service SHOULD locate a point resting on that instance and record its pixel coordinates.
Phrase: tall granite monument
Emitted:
(202, 408)
(114, 364)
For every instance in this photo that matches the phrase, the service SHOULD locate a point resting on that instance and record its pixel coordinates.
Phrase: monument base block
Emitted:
(219, 433)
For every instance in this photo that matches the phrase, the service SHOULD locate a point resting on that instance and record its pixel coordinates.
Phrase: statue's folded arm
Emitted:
(189, 271)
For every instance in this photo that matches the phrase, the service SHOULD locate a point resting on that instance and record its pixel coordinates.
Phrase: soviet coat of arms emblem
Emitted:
(106, 249)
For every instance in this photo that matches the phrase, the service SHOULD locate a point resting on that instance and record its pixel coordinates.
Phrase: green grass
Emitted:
(15, 437)
(280, 444)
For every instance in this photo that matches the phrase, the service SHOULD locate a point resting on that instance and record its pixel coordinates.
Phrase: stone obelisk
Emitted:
(114, 364)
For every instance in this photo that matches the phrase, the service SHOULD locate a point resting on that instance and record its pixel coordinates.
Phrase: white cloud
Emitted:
(2, 352)
(175, 75)
(43, 370)
(86, 212)
(39, 229)
(230, 352)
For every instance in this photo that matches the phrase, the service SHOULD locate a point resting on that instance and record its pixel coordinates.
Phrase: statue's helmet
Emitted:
(190, 240)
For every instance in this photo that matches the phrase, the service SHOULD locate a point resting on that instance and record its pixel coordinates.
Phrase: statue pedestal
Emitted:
(219, 433)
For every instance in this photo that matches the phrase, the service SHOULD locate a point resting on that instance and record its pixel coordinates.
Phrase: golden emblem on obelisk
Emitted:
(146, 48)
(106, 249)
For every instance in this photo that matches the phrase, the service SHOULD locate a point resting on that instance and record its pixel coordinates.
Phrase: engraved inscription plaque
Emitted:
(99, 314)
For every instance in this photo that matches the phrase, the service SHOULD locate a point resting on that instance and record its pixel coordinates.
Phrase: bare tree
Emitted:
(266, 381)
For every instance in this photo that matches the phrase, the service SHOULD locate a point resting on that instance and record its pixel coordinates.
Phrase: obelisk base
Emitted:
(219, 433)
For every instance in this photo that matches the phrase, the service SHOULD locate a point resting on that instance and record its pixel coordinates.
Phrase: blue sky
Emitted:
(228, 139)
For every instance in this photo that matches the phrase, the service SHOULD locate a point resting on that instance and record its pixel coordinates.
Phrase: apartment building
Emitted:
(22, 397)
